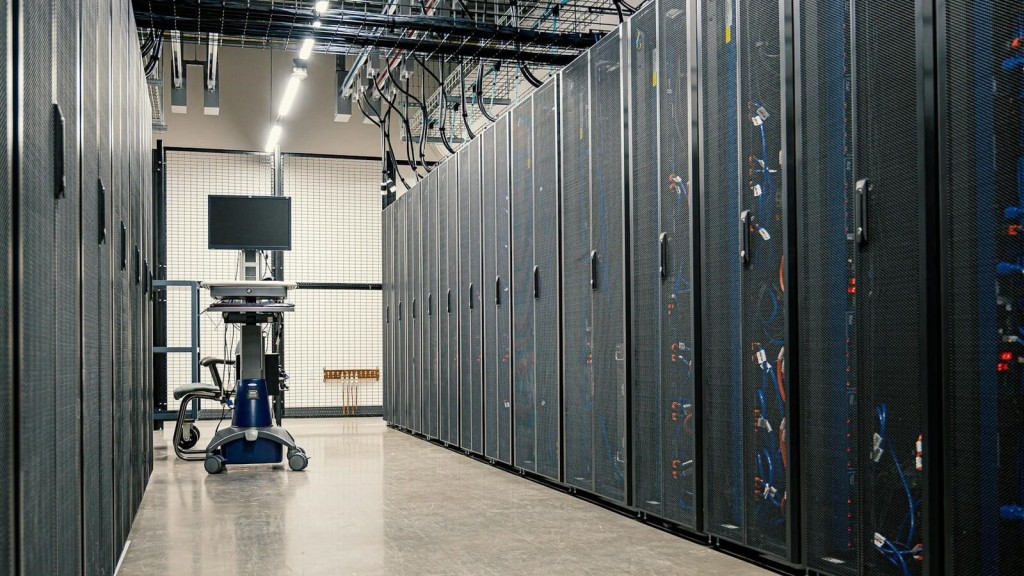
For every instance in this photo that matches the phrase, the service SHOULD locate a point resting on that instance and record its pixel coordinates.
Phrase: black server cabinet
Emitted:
(497, 301)
(447, 376)
(663, 390)
(428, 190)
(533, 157)
(593, 250)
(453, 295)
(747, 466)
(982, 193)
(471, 304)
(864, 289)
(415, 249)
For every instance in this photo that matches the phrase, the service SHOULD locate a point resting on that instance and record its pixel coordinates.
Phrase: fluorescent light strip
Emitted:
(290, 92)
(306, 50)
(320, 6)
(275, 135)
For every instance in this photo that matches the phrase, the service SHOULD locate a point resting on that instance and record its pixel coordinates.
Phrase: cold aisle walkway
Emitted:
(376, 501)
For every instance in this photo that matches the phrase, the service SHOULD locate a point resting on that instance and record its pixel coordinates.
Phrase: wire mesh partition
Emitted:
(336, 231)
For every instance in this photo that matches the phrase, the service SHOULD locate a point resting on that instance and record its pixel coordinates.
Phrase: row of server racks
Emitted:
(752, 268)
(75, 313)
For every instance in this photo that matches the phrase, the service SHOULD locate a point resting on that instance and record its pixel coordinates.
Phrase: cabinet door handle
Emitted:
(536, 282)
(430, 304)
(745, 237)
(593, 269)
(59, 176)
(399, 311)
(101, 200)
(470, 295)
(124, 246)
(497, 291)
(138, 265)
(663, 254)
(448, 302)
(387, 314)
(860, 208)
(413, 308)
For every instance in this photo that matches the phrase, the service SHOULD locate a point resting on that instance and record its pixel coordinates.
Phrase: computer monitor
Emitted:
(250, 223)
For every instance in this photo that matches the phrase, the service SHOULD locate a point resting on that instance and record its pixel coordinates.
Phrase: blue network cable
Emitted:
(900, 546)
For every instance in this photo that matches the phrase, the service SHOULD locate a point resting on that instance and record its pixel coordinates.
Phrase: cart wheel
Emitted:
(214, 464)
(191, 442)
(297, 460)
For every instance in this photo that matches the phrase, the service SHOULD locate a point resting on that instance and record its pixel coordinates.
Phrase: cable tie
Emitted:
(876, 448)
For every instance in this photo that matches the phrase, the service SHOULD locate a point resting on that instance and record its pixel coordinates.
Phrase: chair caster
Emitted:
(297, 459)
(214, 464)
(192, 440)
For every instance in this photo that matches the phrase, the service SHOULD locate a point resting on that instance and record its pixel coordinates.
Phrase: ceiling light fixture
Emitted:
(290, 91)
(307, 49)
(316, 24)
(275, 135)
(320, 6)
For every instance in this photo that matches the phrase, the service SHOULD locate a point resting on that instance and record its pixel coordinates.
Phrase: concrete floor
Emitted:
(377, 501)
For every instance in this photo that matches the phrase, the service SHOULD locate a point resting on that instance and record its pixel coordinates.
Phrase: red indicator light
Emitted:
(1006, 356)
(1002, 367)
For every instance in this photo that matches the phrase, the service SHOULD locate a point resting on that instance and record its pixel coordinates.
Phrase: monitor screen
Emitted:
(250, 223)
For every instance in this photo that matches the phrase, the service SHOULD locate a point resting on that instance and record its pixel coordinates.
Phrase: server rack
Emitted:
(981, 188)
(497, 301)
(415, 250)
(524, 290)
(547, 289)
(864, 291)
(594, 293)
(535, 206)
(387, 251)
(454, 298)
(471, 304)
(444, 371)
(429, 295)
(747, 486)
(404, 316)
(664, 407)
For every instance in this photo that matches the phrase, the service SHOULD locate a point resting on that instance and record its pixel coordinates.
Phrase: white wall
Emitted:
(252, 83)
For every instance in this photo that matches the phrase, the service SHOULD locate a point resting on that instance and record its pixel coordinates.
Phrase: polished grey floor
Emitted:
(377, 501)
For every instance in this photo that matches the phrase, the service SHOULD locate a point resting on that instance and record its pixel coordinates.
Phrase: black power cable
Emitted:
(462, 96)
(387, 135)
(444, 104)
(480, 91)
(423, 110)
(408, 131)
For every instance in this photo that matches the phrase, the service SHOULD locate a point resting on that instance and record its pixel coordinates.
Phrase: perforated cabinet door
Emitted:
(67, 338)
(645, 255)
(455, 306)
(725, 419)
(444, 372)
(414, 267)
(524, 290)
(489, 297)
(890, 266)
(8, 386)
(502, 324)
(577, 319)
(430, 308)
(985, 401)
(546, 306)
(37, 208)
(608, 270)
(829, 419)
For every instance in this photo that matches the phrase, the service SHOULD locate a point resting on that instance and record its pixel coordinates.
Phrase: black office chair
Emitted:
(186, 435)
